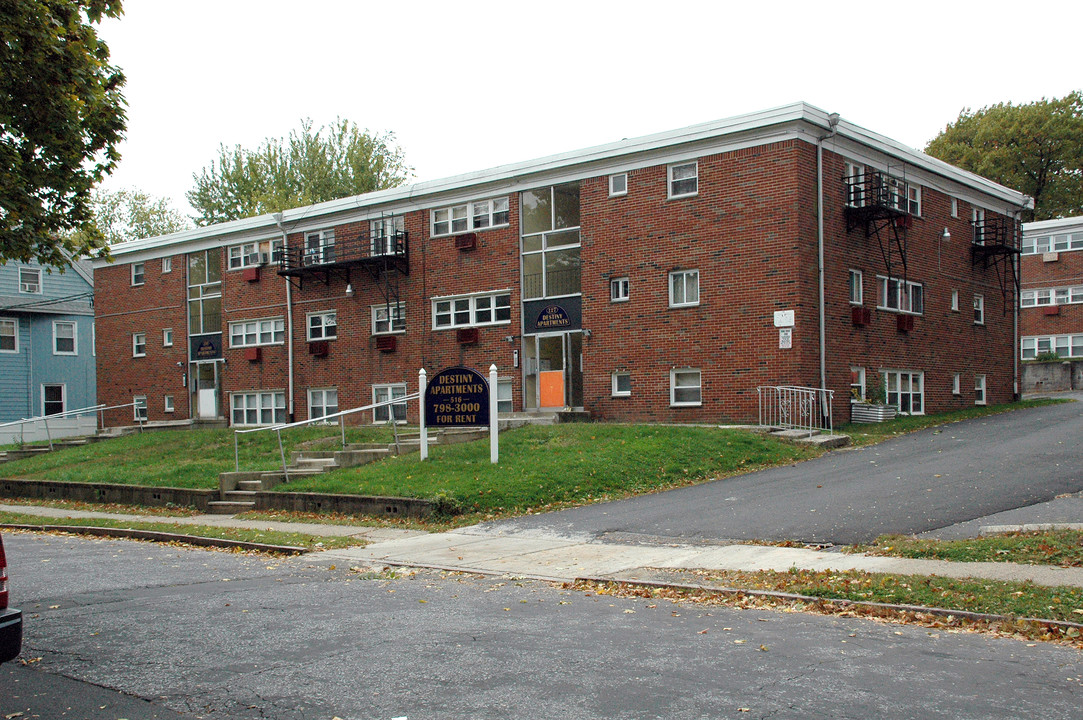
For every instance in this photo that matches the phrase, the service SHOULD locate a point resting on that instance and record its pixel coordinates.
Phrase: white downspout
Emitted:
(833, 120)
(289, 324)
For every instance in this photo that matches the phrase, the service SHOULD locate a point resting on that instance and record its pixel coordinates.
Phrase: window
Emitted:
(618, 184)
(857, 384)
(955, 301)
(504, 396)
(52, 399)
(387, 235)
(855, 184)
(259, 408)
(956, 384)
(906, 391)
(139, 409)
(167, 337)
(385, 393)
(322, 402)
(1065, 346)
(167, 266)
(323, 326)
(857, 289)
(913, 199)
(475, 215)
(1046, 243)
(241, 256)
(138, 273)
(685, 388)
(901, 295)
(683, 179)
(622, 384)
(901, 195)
(979, 389)
(9, 335)
(955, 207)
(250, 333)
(471, 310)
(977, 219)
(30, 280)
(979, 309)
(550, 242)
(619, 289)
(388, 319)
(205, 292)
(167, 403)
(683, 288)
(139, 344)
(319, 247)
(64, 340)
(1052, 296)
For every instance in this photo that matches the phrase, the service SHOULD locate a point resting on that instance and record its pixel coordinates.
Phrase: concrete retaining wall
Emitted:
(1052, 376)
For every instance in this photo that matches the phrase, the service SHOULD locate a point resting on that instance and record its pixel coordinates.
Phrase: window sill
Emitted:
(685, 405)
(453, 233)
(614, 301)
(900, 312)
(682, 197)
(389, 333)
(683, 305)
(467, 327)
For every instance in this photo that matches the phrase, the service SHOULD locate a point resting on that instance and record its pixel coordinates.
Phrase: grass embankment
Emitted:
(1056, 547)
(267, 537)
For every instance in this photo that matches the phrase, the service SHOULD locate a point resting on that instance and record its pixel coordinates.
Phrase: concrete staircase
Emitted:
(816, 437)
(31, 450)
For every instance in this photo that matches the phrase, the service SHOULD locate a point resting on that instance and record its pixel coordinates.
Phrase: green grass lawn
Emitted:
(1056, 547)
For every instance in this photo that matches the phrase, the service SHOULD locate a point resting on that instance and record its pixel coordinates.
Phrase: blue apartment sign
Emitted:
(553, 317)
(457, 397)
(205, 347)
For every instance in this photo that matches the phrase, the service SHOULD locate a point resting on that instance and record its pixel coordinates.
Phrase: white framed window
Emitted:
(473, 215)
(65, 341)
(139, 344)
(955, 207)
(857, 287)
(139, 408)
(621, 384)
(53, 399)
(322, 402)
(1048, 243)
(901, 195)
(254, 254)
(905, 389)
(242, 256)
(855, 184)
(139, 273)
(1065, 346)
(901, 295)
(167, 337)
(683, 179)
(258, 408)
(505, 396)
(322, 325)
(685, 388)
(619, 289)
(979, 389)
(251, 333)
(857, 384)
(955, 301)
(977, 220)
(1052, 296)
(913, 199)
(618, 184)
(9, 335)
(956, 384)
(167, 404)
(384, 393)
(319, 247)
(979, 309)
(167, 265)
(683, 288)
(471, 310)
(30, 280)
(387, 319)
(386, 235)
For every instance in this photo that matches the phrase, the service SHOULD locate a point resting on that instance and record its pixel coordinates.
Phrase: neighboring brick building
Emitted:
(638, 281)
(1051, 297)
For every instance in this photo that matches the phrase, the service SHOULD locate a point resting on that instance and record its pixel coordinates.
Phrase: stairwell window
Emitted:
(322, 402)
(258, 408)
(385, 393)
(685, 388)
(900, 295)
(979, 389)
(979, 309)
(683, 180)
(857, 288)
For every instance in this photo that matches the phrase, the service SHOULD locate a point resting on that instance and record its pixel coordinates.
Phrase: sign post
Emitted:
(424, 448)
(494, 426)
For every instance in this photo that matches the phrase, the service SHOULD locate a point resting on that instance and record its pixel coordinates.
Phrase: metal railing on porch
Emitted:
(796, 408)
(44, 419)
(324, 420)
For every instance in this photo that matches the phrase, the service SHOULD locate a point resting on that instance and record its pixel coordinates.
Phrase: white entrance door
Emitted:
(207, 391)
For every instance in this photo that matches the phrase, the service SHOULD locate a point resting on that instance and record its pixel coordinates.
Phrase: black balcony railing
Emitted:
(1001, 234)
(338, 253)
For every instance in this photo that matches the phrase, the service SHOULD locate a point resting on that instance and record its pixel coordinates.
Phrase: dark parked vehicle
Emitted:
(11, 620)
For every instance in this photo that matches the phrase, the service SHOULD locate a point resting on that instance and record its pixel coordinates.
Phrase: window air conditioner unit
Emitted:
(253, 354)
(264, 258)
(906, 322)
(1051, 310)
(319, 348)
(466, 241)
(28, 287)
(386, 343)
(467, 336)
(252, 259)
(251, 274)
(861, 316)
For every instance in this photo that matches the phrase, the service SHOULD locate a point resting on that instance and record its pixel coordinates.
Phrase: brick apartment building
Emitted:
(1051, 297)
(660, 278)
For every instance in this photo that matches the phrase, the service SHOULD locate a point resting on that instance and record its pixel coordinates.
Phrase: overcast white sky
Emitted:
(470, 85)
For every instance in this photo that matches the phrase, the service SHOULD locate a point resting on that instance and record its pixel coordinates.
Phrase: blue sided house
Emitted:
(46, 342)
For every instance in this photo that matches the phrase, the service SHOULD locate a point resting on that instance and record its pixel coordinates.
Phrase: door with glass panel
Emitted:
(554, 377)
(206, 390)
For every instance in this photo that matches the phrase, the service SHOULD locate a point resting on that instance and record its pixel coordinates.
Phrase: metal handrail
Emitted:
(798, 408)
(322, 419)
(44, 419)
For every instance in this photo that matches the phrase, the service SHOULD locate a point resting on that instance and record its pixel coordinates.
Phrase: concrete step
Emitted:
(226, 507)
(795, 434)
(250, 485)
(240, 496)
(826, 441)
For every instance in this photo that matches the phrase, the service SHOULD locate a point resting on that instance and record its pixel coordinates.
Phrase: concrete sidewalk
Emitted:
(546, 556)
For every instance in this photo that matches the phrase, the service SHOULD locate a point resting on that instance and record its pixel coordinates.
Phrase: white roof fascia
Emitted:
(1046, 226)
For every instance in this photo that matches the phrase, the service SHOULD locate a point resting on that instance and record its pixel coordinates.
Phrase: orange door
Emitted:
(552, 388)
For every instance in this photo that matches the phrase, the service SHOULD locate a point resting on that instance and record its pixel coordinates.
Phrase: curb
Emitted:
(841, 603)
(155, 536)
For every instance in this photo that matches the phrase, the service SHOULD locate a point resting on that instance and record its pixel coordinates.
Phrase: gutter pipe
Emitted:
(289, 323)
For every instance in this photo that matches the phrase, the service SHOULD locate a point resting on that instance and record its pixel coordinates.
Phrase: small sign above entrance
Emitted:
(457, 397)
(205, 347)
(553, 317)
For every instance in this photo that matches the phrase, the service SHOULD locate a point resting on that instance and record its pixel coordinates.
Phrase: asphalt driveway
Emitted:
(917, 483)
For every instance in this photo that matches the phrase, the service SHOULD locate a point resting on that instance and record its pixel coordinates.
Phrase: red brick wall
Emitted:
(1065, 271)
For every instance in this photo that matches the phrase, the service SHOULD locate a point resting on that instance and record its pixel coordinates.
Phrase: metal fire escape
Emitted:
(879, 204)
(997, 243)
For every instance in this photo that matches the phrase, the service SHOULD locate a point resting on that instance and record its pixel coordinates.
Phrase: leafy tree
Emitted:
(132, 214)
(61, 118)
(305, 168)
(1035, 148)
